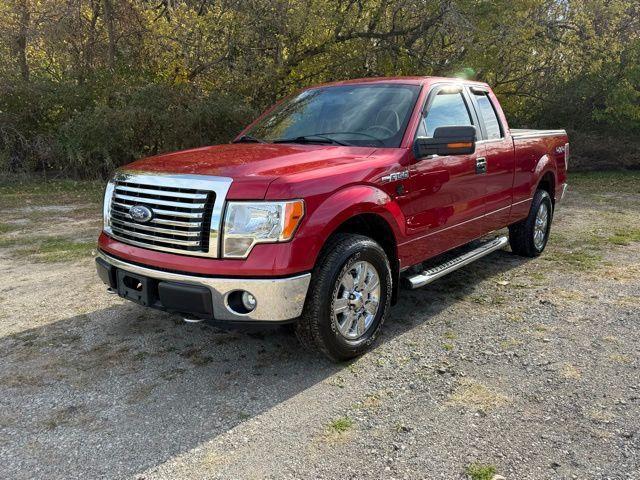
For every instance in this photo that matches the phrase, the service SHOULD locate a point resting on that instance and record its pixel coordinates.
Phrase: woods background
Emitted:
(87, 85)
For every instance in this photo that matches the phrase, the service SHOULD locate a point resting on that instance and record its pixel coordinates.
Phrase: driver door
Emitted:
(445, 205)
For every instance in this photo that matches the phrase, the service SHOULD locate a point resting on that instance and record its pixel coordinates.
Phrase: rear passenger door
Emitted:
(496, 146)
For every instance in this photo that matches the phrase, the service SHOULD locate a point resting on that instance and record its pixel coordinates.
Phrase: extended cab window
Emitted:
(489, 117)
(447, 109)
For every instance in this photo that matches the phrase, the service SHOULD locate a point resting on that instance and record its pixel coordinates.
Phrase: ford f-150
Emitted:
(321, 208)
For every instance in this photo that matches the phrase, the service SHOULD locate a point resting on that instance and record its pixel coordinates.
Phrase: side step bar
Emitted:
(428, 276)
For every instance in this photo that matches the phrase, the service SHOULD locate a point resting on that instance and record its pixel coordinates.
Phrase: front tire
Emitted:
(529, 237)
(348, 298)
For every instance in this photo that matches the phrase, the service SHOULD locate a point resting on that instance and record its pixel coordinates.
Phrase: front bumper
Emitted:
(277, 299)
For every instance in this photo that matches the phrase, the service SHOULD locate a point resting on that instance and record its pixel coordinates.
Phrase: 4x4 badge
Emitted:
(393, 177)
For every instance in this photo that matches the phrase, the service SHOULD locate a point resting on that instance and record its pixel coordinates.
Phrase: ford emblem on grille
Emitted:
(140, 213)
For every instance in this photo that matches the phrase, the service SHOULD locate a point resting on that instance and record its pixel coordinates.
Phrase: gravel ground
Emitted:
(526, 367)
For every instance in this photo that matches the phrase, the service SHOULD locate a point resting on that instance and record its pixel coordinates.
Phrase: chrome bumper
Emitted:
(277, 299)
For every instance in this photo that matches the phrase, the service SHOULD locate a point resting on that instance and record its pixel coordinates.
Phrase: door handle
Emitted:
(481, 165)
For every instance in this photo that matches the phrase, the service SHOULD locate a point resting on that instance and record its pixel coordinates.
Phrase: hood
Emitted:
(251, 159)
(252, 166)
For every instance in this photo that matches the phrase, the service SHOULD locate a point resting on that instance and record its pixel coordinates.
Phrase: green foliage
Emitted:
(87, 85)
(151, 120)
(5, 227)
(90, 138)
(340, 425)
(625, 237)
(477, 471)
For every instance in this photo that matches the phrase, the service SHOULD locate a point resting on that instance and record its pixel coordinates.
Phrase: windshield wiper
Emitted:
(312, 139)
(248, 139)
(368, 135)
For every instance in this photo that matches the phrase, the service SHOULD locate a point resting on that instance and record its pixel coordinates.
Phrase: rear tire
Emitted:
(529, 237)
(348, 298)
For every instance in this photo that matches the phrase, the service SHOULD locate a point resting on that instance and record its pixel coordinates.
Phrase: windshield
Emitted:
(362, 115)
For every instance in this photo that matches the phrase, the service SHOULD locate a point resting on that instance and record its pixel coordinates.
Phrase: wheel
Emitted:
(348, 298)
(529, 237)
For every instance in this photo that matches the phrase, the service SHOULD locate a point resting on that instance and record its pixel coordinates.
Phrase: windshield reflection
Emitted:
(362, 115)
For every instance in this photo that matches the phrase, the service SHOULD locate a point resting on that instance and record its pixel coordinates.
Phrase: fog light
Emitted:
(241, 302)
(249, 301)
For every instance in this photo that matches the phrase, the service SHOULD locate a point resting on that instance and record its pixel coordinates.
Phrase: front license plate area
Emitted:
(137, 288)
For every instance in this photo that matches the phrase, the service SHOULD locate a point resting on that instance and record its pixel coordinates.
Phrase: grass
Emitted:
(578, 259)
(620, 358)
(16, 192)
(371, 401)
(6, 228)
(51, 249)
(625, 237)
(607, 181)
(510, 343)
(626, 232)
(340, 425)
(196, 356)
(570, 372)
(472, 394)
(488, 298)
(68, 416)
(20, 193)
(478, 471)
(337, 381)
(583, 246)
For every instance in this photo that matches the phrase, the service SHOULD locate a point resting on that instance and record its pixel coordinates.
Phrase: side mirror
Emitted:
(447, 141)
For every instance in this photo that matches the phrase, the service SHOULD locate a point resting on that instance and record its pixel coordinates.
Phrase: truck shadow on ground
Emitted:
(123, 389)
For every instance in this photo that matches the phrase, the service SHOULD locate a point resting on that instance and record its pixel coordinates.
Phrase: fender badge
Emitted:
(394, 177)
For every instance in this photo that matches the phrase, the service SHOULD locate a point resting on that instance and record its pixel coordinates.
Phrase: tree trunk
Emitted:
(111, 32)
(24, 18)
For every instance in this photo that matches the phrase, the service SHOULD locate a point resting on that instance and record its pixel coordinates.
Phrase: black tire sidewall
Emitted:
(363, 249)
(541, 197)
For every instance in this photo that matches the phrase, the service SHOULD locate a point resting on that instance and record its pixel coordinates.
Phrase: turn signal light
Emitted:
(460, 145)
(293, 213)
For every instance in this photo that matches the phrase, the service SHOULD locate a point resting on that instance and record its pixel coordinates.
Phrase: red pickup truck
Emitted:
(323, 206)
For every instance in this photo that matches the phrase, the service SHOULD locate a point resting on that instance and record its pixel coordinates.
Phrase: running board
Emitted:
(428, 276)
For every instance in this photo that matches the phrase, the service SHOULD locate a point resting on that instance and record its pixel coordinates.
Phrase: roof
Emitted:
(406, 80)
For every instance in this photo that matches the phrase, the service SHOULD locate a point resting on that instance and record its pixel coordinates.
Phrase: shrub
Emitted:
(87, 131)
(151, 120)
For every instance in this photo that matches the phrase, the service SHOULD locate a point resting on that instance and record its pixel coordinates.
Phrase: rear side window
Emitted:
(489, 117)
(446, 110)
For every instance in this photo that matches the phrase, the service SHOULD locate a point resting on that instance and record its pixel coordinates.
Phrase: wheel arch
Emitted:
(378, 229)
(546, 177)
(548, 183)
(363, 210)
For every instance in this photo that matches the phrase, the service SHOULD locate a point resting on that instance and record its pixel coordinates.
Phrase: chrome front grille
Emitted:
(186, 211)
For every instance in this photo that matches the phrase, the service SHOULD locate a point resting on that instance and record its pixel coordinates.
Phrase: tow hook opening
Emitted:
(132, 283)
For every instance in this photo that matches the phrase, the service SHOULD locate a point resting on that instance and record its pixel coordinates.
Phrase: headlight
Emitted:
(249, 223)
(106, 206)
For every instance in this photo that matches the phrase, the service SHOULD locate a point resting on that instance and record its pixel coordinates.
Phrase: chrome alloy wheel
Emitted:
(356, 300)
(541, 226)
